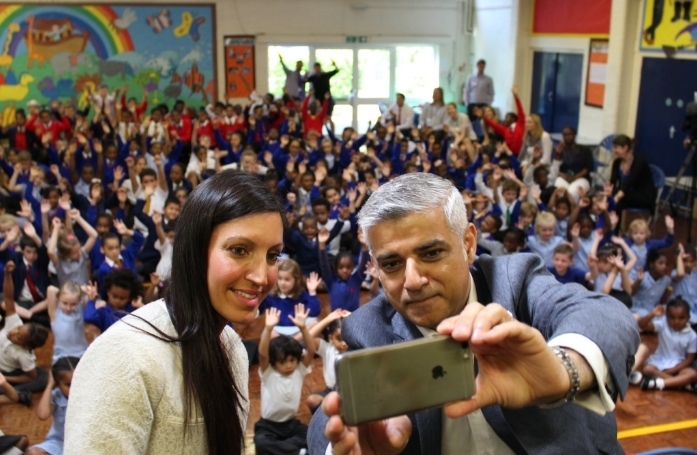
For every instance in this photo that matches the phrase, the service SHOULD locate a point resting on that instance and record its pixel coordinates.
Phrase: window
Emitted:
(368, 76)
(413, 77)
(291, 55)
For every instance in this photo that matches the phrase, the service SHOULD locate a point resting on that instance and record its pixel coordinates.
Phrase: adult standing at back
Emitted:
(320, 83)
(478, 90)
(172, 377)
(631, 177)
(295, 80)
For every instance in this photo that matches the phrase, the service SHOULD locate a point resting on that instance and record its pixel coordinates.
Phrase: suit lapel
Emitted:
(429, 423)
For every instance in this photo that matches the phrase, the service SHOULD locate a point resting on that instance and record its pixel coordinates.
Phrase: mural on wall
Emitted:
(63, 52)
(670, 26)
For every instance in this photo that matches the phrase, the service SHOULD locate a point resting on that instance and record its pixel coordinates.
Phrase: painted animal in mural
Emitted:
(114, 68)
(160, 22)
(16, 92)
(127, 18)
(6, 58)
(66, 63)
(189, 26)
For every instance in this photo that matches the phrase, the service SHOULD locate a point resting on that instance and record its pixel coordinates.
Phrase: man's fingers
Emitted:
(398, 431)
(331, 404)
(491, 316)
(460, 327)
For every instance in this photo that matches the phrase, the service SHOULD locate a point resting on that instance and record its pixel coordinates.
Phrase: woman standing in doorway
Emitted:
(172, 378)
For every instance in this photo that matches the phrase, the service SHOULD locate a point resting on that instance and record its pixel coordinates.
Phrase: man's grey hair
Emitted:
(414, 193)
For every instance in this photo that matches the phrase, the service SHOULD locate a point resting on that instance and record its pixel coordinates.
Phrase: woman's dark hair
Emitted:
(623, 140)
(37, 336)
(284, 346)
(63, 365)
(207, 376)
(123, 278)
(331, 328)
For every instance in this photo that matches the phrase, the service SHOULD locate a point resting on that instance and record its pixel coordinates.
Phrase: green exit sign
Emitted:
(356, 39)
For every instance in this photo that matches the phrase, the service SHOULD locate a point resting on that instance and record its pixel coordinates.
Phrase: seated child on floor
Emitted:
(282, 367)
(671, 365)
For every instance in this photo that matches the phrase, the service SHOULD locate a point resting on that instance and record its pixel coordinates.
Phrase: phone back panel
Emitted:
(402, 378)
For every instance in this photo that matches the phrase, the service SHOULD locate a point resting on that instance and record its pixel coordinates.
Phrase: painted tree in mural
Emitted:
(63, 52)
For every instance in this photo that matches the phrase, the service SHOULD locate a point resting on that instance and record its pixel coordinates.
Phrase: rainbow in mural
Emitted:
(164, 52)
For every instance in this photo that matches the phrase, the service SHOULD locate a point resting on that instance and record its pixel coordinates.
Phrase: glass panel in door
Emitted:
(373, 73)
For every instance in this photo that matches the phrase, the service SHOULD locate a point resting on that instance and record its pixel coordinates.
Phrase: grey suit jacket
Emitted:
(522, 284)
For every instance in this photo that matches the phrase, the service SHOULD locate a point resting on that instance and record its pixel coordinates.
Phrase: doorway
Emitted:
(556, 89)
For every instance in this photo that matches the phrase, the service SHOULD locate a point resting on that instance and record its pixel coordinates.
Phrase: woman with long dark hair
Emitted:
(172, 377)
(631, 177)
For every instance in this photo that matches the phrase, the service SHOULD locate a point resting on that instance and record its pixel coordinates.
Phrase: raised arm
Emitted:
(299, 319)
(91, 232)
(52, 243)
(273, 317)
(45, 409)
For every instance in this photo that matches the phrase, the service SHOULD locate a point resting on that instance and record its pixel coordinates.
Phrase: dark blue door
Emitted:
(556, 89)
(667, 85)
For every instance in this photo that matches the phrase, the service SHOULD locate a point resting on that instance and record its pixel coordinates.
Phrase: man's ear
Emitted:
(470, 241)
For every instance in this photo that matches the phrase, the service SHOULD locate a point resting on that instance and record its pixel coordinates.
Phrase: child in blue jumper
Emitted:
(122, 289)
(345, 286)
(289, 292)
(114, 257)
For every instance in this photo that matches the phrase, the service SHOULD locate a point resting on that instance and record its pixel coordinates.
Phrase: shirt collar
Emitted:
(426, 332)
(111, 263)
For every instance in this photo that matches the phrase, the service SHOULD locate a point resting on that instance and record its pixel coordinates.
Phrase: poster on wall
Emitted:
(596, 77)
(239, 66)
(670, 26)
(158, 52)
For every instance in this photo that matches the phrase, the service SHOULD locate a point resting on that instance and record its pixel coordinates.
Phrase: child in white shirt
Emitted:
(671, 365)
(282, 367)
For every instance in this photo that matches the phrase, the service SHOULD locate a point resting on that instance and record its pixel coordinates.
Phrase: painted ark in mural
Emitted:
(63, 51)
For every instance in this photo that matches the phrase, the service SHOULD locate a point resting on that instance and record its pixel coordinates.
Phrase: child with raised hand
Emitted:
(114, 257)
(54, 403)
(329, 345)
(649, 289)
(608, 271)
(640, 242)
(344, 286)
(671, 365)
(65, 252)
(282, 367)
(65, 308)
(164, 244)
(545, 241)
(685, 279)
(122, 289)
(289, 292)
(17, 343)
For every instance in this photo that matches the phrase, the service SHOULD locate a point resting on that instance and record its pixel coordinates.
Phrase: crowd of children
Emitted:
(89, 202)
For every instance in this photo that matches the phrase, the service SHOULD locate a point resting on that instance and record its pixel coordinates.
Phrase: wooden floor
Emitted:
(639, 410)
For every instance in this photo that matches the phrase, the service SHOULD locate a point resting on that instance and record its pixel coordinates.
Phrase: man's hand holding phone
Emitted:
(385, 437)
